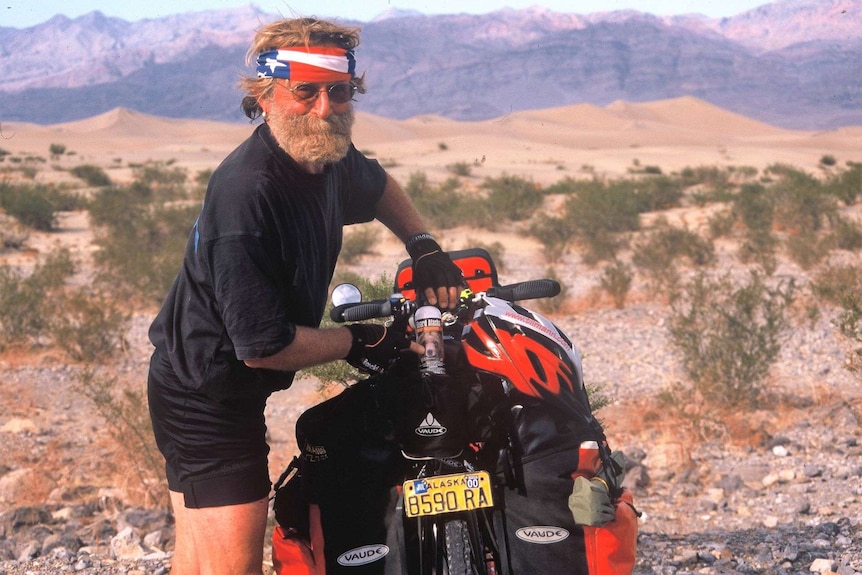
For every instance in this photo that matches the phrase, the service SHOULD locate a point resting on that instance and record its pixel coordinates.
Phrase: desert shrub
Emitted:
(462, 169)
(357, 242)
(842, 286)
(27, 301)
(92, 175)
(712, 176)
(658, 253)
(847, 185)
(555, 234)
(597, 212)
(88, 326)
(12, 234)
(835, 284)
(760, 249)
(754, 206)
(124, 409)
(721, 223)
(654, 194)
(118, 206)
(31, 205)
(140, 243)
(802, 203)
(157, 243)
(616, 280)
(511, 198)
(807, 249)
(729, 336)
(846, 233)
(568, 186)
(166, 182)
(202, 178)
(443, 206)
(849, 323)
(57, 150)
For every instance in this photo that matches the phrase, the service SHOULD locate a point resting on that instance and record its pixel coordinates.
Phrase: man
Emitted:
(244, 312)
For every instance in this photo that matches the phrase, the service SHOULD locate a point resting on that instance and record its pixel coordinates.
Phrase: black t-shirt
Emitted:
(258, 263)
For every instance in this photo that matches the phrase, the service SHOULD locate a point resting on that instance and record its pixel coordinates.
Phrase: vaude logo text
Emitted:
(542, 534)
(363, 555)
(430, 427)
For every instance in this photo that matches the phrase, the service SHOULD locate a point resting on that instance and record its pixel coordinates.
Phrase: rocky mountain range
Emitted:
(792, 63)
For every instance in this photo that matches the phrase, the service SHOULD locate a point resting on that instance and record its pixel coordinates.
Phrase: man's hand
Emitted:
(616, 474)
(590, 503)
(434, 273)
(375, 347)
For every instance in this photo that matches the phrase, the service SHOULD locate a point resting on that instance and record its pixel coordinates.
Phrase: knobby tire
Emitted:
(459, 553)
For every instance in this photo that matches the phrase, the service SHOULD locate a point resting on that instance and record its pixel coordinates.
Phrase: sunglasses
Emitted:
(339, 93)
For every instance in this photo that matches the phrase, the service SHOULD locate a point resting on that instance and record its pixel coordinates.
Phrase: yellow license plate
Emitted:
(447, 494)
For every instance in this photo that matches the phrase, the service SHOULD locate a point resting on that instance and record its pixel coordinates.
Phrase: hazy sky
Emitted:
(25, 13)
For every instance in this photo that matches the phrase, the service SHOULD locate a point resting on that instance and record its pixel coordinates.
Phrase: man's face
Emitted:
(314, 131)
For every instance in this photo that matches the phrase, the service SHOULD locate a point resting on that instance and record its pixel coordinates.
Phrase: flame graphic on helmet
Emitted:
(526, 350)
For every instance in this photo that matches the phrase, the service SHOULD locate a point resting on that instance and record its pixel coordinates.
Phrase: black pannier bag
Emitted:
(350, 467)
(536, 472)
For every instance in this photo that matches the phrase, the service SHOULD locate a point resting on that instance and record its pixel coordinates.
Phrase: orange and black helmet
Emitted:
(528, 351)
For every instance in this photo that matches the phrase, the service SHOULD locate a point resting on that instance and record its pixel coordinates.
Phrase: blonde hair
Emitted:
(288, 33)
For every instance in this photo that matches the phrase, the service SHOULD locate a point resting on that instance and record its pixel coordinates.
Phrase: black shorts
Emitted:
(215, 452)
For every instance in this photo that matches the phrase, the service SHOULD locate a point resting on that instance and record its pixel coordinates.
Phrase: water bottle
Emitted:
(429, 334)
(588, 459)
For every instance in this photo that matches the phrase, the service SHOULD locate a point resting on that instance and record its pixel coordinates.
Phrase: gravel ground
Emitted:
(775, 491)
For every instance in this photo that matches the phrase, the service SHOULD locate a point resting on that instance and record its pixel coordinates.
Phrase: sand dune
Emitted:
(544, 144)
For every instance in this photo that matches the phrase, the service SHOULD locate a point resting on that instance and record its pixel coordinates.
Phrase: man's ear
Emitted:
(264, 106)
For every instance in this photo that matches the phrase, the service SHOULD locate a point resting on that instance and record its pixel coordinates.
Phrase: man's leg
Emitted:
(224, 540)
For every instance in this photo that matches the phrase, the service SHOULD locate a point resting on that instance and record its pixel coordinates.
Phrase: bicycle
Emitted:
(448, 446)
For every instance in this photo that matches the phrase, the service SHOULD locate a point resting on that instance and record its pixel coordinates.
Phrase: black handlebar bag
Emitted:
(350, 467)
(536, 476)
(431, 414)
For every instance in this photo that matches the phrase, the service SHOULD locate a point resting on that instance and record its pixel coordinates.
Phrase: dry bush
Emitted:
(728, 336)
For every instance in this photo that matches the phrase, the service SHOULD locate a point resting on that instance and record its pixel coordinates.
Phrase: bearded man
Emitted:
(244, 312)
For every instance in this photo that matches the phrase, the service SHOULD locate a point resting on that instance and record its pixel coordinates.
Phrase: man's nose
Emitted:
(322, 106)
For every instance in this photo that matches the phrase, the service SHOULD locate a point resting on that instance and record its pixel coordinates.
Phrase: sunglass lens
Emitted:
(341, 93)
(305, 91)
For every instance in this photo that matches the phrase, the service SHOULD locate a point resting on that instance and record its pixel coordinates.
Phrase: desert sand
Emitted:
(544, 145)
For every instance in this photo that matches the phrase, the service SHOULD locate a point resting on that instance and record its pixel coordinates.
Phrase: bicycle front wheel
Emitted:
(460, 558)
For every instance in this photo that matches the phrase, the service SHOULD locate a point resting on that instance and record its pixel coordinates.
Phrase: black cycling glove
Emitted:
(432, 267)
(375, 347)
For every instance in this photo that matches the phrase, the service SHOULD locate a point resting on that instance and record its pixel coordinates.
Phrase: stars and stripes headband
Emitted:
(307, 64)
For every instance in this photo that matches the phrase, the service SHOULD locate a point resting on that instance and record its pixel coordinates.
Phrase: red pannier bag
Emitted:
(539, 528)
(611, 549)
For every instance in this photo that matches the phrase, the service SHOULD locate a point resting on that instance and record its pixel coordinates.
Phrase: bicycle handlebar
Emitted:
(351, 312)
(361, 311)
(531, 289)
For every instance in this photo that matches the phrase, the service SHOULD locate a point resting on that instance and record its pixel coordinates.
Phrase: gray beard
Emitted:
(311, 139)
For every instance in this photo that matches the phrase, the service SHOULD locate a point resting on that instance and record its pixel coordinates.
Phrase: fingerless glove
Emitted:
(432, 267)
(375, 347)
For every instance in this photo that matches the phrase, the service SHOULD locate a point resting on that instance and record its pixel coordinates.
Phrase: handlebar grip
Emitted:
(361, 311)
(531, 289)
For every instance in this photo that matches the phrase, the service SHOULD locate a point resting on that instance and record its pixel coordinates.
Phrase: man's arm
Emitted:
(396, 211)
(312, 347)
(309, 347)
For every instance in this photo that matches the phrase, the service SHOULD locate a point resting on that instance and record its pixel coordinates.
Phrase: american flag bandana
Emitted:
(313, 64)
